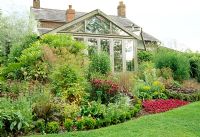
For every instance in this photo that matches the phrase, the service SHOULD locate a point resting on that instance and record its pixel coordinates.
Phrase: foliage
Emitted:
(93, 109)
(71, 110)
(89, 122)
(157, 106)
(126, 80)
(165, 73)
(13, 30)
(155, 90)
(183, 96)
(40, 125)
(79, 124)
(64, 78)
(15, 116)
(42, 105)
(16, 50)
(68, 124)
(26, 62)
(144, 56)
(176, 61)
(52, 127)
(176, 123)
(194, 60)
(15, 87)
(35, 60)
(104, 90)
(62, 40)
(147, 72)
(100, 63)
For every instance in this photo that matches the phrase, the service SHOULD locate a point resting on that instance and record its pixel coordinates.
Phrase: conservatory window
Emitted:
(79, 27)
(92, 46)
(98, 25)
(105, 45)
(117, 31)
(118, 61)
(129, 55)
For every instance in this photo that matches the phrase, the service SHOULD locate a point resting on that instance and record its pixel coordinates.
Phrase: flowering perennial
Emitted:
(161, 105)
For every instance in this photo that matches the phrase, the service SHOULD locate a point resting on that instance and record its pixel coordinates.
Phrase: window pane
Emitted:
(105, 45)
(92, 46)
(98, 25)
(118, 65)
(129, 55)
(118, 31)
(79, 27)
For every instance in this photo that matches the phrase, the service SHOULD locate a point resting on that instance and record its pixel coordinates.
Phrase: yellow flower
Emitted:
(146, 88)
(156, 83)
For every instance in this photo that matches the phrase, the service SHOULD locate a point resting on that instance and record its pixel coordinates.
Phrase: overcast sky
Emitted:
(175, 22)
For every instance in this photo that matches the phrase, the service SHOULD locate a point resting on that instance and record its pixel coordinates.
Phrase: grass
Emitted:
(181, 122)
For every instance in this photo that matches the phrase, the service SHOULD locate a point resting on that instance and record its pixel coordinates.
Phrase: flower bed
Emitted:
(192, 97)
(161, 105)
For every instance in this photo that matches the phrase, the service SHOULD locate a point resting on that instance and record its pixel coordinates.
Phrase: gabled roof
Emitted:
(89, 15)
(55, 15)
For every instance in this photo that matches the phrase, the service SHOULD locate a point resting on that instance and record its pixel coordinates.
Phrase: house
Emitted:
(116, 35)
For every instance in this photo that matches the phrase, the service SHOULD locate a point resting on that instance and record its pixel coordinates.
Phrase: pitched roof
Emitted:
(44, 14)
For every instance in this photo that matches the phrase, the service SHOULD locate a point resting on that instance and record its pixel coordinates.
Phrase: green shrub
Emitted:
(166, 73)
(15, 116)
(89, 122)
(99, 123)
(15, 87)
(40, 125)
(194, 60)
(155, 90)
(62, 40)
(52, 127)
(128, 115)
(182, 96)
(16, 50)
(100, 63)
(68, 124)
(176, 61)
(122, 117)
(144, 56)
(42, 103)
(106, 121)
(63, 77)
(79, 124)
(94, 109)
(147, 72)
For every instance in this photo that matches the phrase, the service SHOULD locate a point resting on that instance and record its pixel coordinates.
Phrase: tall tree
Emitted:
(13, 30)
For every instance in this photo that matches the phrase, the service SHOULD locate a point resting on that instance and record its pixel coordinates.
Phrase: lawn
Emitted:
(181, 122)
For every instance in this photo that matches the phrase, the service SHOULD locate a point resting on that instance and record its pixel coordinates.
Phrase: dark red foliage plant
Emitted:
(105, 85)
(106, 90)
(161, 105)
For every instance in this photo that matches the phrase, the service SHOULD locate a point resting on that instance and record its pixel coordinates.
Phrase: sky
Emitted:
(175, 22)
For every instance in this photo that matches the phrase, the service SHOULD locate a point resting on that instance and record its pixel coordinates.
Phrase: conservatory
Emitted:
(102, 33)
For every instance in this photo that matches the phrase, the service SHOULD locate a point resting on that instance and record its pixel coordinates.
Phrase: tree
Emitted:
(13, 30)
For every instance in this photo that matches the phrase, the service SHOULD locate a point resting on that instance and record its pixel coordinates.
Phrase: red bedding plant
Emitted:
(161, 105)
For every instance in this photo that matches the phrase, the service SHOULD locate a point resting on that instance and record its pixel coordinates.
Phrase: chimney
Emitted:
(36, 4)
(70, 14)
(121, 9)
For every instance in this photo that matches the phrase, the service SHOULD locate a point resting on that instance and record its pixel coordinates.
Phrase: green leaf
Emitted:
(13, 124)
(1, 124)
(19, 126)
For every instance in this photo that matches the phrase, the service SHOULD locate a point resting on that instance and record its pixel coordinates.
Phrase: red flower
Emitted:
(161, 105)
